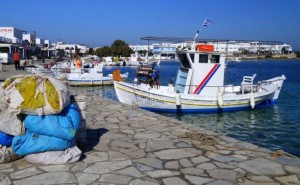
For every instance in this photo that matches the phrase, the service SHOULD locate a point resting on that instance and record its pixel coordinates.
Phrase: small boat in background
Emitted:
(111, 61)
(93, 76)
(233, 59)
(134, 60)
(137, 60)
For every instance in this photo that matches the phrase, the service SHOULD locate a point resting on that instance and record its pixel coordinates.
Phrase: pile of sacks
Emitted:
(37, 121)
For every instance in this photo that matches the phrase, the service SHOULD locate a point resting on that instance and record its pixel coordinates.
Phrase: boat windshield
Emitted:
(184, 60)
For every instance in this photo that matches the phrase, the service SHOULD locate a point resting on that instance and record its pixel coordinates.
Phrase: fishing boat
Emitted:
(134, 60)
(93, 76)
(199, 87)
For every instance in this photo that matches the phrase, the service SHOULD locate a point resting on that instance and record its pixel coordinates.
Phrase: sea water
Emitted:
(275, 127)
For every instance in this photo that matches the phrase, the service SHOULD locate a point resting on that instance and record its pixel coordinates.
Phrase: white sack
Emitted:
(11, 124)
(11, 96)
(69, 155)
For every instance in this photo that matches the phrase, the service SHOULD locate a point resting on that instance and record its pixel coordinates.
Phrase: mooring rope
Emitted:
(202, 138)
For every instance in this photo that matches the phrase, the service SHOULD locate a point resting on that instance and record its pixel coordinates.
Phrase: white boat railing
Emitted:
(230, 88)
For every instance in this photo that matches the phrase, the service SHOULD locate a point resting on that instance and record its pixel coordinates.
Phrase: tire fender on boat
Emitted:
(220, 99)
(252, 101)
(178, 98)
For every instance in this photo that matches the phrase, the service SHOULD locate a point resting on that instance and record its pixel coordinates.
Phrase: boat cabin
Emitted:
(144, 73)
(201, 72)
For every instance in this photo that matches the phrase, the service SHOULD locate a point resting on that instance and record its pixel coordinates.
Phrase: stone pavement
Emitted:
(127, 145)
(9, 70)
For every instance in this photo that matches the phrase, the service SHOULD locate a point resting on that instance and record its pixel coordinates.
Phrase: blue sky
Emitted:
(99, 22)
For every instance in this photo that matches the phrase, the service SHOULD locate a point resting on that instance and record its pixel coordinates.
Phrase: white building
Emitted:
(252, 47)
(47, 43)
(11, 35)
(39, 41)
(141, 47)
(29, 37)
(70, 48)
(231, 47)
(158, 49)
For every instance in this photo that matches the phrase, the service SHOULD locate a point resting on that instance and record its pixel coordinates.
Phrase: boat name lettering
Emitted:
(150, 99)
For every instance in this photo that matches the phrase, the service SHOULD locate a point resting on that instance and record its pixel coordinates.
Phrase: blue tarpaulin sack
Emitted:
(5, 139)
(63, 125)
(31, 143)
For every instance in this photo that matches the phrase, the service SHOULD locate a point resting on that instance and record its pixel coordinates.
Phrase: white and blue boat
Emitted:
(199, 87)
(92, 76)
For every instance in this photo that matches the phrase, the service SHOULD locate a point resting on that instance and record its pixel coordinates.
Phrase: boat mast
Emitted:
(147, 58)
(205, 23)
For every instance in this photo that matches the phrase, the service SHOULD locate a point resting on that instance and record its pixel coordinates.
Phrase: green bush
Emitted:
(297, 54)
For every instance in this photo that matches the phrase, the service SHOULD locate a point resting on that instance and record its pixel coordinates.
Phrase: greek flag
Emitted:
(207, 22)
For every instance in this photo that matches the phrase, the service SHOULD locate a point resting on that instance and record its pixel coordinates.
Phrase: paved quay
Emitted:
(127, 145)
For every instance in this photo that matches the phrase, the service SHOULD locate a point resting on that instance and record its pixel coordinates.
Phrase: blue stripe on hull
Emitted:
(266, 103)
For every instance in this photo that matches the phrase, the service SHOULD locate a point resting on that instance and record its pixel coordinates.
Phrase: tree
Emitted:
(268, 54)
(103, 51)
(142, 52)
(120, 48)
(76, 52)
(297, 54)
(284, 51)
(245, 52)
(91, 51)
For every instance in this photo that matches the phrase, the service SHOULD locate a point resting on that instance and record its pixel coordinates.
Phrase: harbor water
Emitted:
(275, 127)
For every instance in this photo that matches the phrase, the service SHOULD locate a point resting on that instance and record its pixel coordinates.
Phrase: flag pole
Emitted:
(197, 33)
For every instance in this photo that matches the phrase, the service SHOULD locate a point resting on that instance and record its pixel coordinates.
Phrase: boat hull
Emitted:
(90, 82)
(168, 101)
(87, 79)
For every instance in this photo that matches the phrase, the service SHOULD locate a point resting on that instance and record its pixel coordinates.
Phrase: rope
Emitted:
(279, 153)
(202, 138)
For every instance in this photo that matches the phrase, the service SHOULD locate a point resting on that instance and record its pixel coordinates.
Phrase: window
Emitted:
(184, 60)
(215, 59)
(203, 58)
(4, 50)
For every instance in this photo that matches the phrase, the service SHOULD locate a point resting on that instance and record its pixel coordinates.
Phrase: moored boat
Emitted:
(199, 87)
(92, 77)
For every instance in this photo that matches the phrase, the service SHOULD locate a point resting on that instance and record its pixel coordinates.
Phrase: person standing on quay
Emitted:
(17, 60)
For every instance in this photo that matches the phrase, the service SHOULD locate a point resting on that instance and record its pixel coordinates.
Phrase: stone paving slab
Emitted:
(126, 145)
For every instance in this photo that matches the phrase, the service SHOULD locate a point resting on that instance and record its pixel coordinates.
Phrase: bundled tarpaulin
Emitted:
(63, 125)
(70, 155)
(31, 143)
(36, 95)
(5, 139)
(11, 124)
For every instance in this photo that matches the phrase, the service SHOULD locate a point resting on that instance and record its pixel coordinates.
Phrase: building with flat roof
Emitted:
(229, 47)
(12, 35)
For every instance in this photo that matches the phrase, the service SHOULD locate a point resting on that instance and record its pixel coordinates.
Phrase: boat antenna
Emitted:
(259, 61)
(206, 23)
